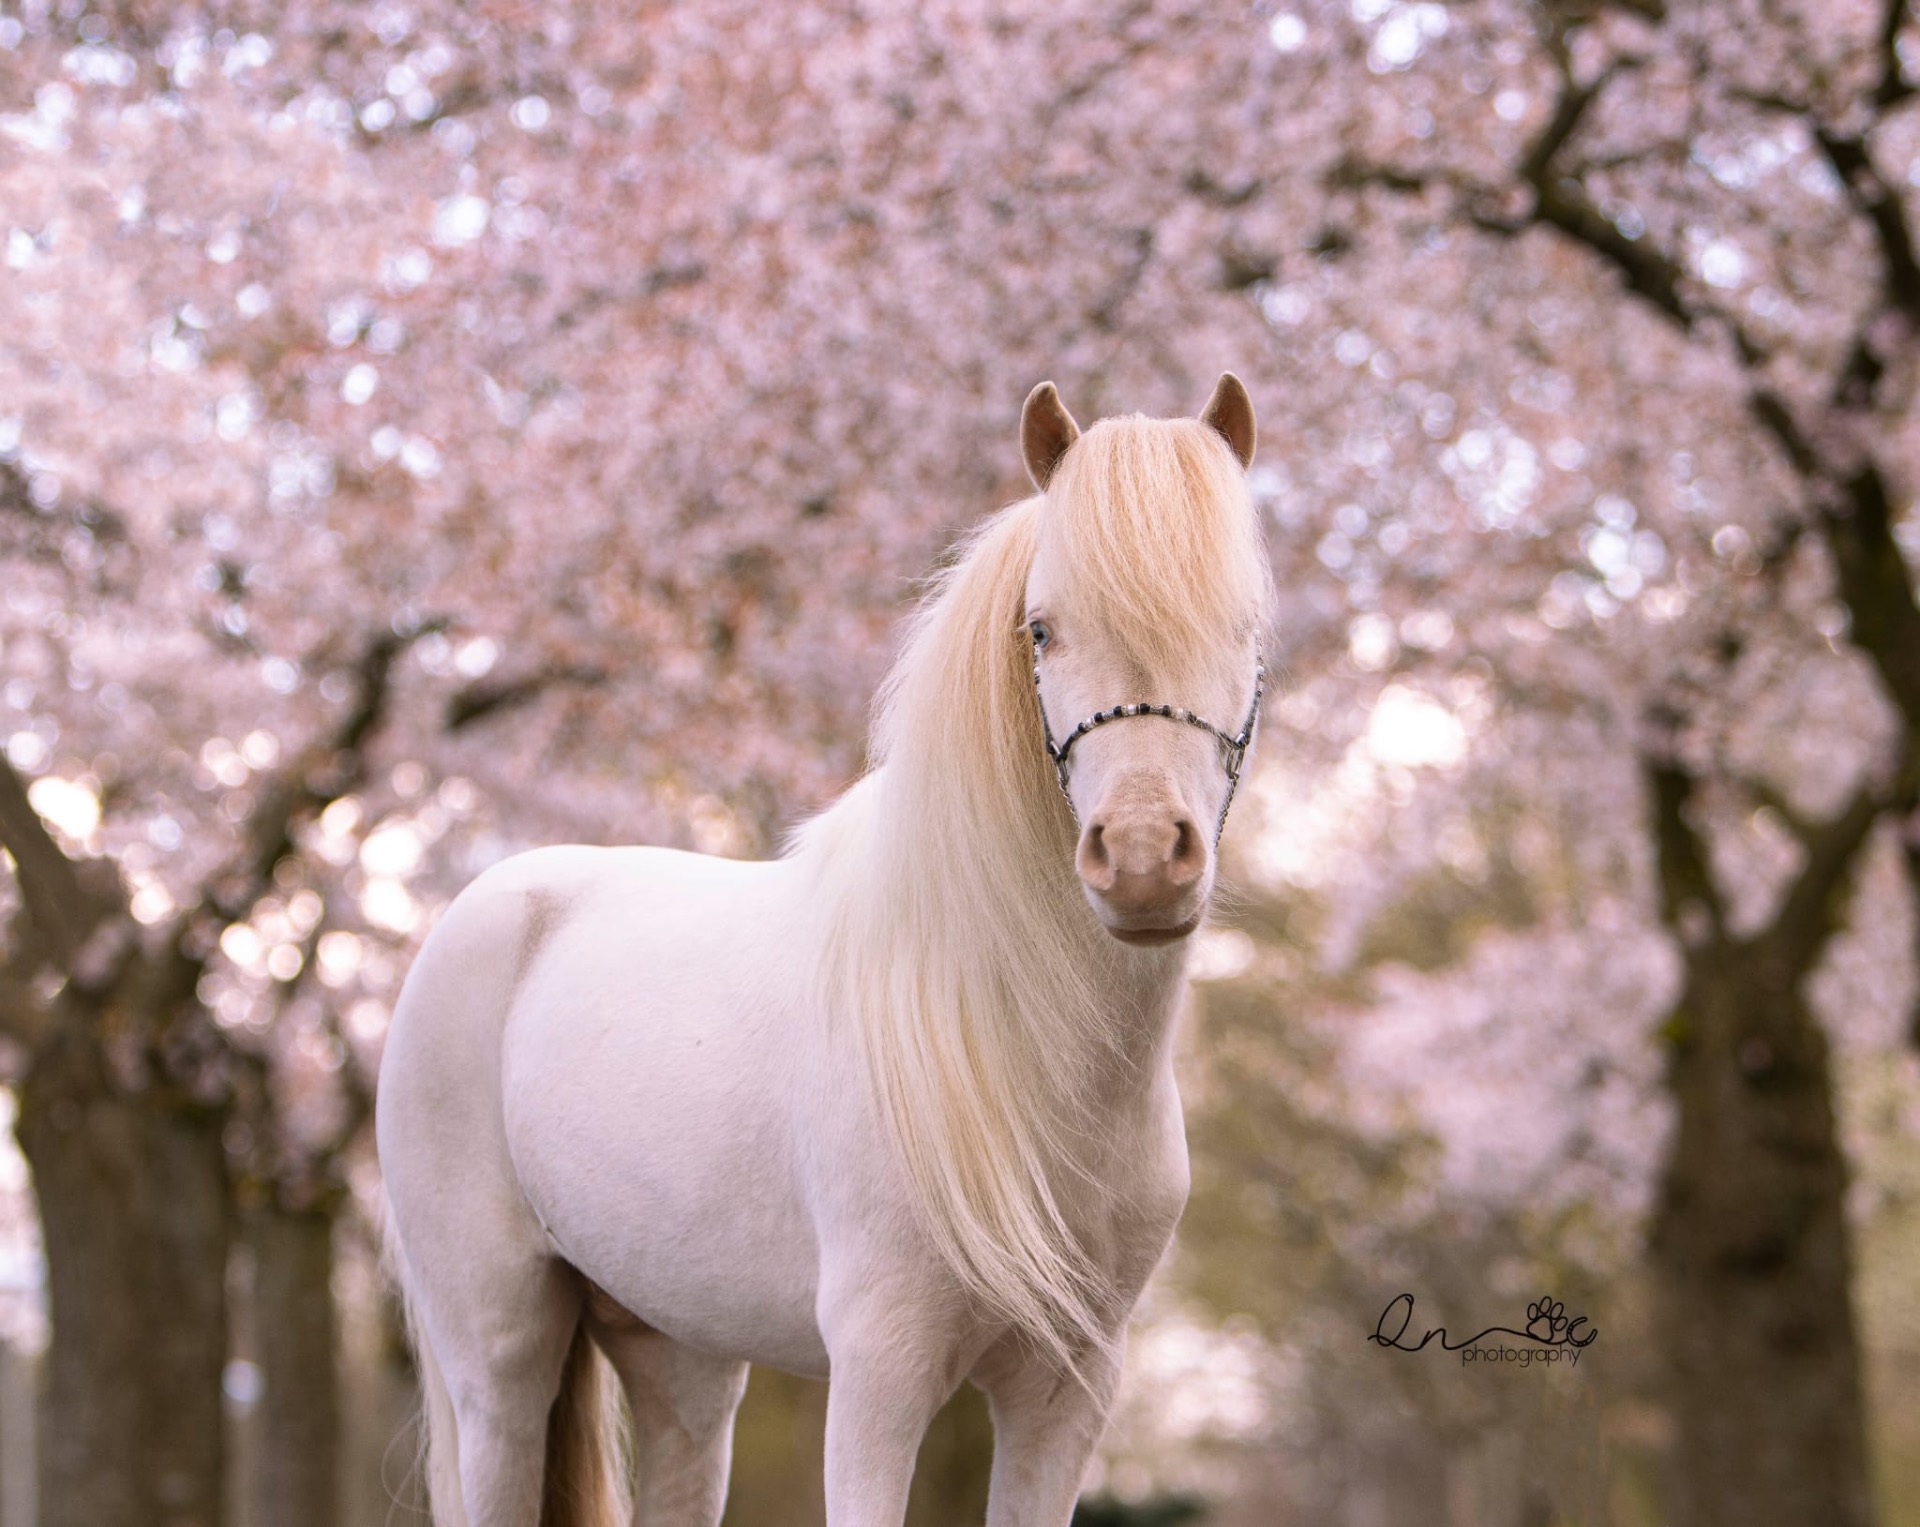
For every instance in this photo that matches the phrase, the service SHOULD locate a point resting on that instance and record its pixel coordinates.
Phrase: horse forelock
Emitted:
(1152, 535)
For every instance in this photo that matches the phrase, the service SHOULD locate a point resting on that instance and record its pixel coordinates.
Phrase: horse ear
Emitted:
(1046, 430)
(1230, 411)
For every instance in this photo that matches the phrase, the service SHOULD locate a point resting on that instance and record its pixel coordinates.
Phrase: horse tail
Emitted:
(439, 1454)
(439, 1442)
(585, 1444)
(586, 1453)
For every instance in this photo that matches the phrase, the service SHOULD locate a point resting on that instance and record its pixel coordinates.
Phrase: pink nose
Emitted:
(1142, 865)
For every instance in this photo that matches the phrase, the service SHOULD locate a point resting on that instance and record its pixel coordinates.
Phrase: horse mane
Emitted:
(983, 990)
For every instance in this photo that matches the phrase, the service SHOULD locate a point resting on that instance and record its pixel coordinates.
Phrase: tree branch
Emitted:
(321, 775)
(488, 697)
(664, 278)
(65, 910)
(1911, 850)
(1561, 202)
(1647, 271)
(1771, 412)
(1686, 878)
(1872, 195)
(1813, 907)
(1877, 586)
(1892, 88)
(1568, 112)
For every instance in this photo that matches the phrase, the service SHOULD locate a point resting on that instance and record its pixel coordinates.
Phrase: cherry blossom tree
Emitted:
(1728, 175)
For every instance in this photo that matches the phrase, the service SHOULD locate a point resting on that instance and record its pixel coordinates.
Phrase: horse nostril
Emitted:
(1189, 856)
(1093, 861)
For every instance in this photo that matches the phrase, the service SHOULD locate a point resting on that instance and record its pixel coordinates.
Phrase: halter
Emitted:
(1233, 749)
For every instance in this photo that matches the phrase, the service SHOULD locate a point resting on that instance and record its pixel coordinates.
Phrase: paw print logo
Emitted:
(1547, 1320)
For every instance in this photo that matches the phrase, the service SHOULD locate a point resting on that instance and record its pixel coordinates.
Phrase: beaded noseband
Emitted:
(1233, 748)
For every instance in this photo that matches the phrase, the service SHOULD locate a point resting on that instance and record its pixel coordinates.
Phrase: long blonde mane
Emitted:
(984, 991)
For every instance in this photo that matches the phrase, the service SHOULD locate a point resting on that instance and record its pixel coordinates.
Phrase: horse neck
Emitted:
(1144, 990)
(1102, 1012)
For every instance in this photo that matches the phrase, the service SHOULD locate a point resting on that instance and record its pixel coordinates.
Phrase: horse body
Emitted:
(658, 1074)
(855, 1113)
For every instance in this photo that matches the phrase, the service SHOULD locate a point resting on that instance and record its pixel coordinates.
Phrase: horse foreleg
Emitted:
(1045, 1428)
(882, 1393)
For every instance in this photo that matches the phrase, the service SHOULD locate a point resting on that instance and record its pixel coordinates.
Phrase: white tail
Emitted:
(439, 1442)
(586, 1452)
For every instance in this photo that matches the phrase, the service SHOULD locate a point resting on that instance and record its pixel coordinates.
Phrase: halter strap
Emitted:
(1233, 748)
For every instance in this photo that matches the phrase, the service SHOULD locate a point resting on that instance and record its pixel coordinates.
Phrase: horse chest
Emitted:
(1138, 1159)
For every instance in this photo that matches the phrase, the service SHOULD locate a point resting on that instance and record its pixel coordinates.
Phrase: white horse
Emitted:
(896, 1109)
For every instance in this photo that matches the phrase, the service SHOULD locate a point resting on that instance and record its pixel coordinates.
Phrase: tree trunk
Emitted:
(132, 1194)
(1750, 1248)
(296, 1480)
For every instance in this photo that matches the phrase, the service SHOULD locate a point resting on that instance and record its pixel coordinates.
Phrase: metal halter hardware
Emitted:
(1233, 748)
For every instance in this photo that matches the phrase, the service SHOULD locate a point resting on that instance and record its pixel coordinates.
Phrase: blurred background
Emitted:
(428, 430)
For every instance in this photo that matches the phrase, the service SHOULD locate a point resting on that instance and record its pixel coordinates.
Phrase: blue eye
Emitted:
(1042, 632)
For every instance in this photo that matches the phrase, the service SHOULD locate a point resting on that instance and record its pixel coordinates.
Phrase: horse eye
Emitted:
(1042, 632)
